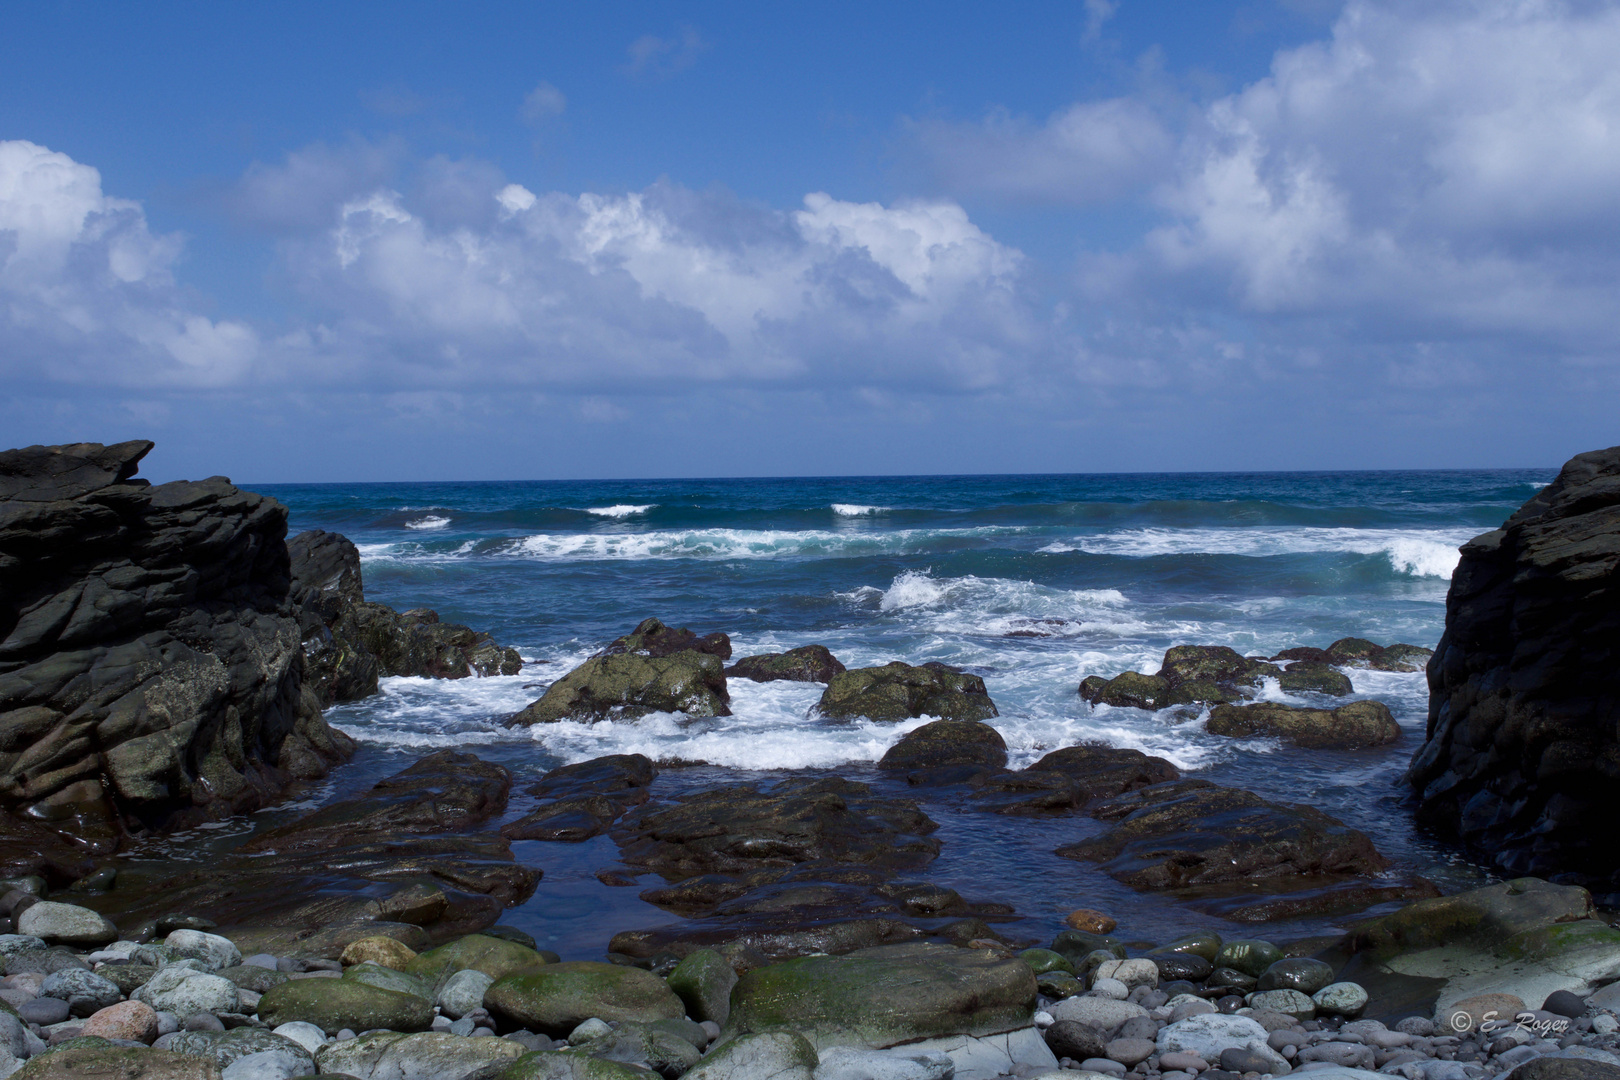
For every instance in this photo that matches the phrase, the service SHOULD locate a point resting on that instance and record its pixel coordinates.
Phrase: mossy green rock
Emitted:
(663, 1051)
(631, 685)
(1349, 727)
(425, 1054)
(779, 1055)
(1479, 917)
(115, 1063)
(495, 957)
(570, 1065)
(1041, 961)
(335, 1004)
(947, 742)
(1205, 944)
(1129, 690)
(1076, 945)
(1308, 676)
(389, 979)
(882, 997)
(559, 997)
(245, 976)
(1059, 984)
(1250, 957)
(1302, 974)
(703, 982)
(898, 691)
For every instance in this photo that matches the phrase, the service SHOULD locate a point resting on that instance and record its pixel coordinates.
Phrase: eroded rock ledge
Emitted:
(150, 663)
(1522, 754)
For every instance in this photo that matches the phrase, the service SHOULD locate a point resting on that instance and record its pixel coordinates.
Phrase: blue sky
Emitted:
(410, 241)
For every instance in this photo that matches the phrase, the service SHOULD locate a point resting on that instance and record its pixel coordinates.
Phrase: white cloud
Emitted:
(87, 293)
(651, 54)
(542, 103)
(668, 287)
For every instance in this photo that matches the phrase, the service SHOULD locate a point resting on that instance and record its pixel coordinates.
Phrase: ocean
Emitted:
(1032, 582)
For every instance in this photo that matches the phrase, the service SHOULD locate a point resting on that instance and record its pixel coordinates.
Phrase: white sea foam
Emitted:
(998, 607)
(856, 510)
(1420, 553)
(734, 543)
(621, 510)
(431, 521)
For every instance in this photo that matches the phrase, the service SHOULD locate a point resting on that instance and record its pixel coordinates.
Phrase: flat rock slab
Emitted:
(875, 998)
(117, 1063)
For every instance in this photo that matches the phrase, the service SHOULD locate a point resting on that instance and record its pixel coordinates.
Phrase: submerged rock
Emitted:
(653, 669)
(149, 654)
(899, 691)
(1349, 727)
(1521, 755)
(1192, 833)
(580, 801)
(807, 663)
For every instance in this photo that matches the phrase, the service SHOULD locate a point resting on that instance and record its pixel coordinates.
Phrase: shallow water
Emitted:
(1109, 571)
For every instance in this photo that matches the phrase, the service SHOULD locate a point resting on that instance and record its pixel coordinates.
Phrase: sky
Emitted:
(409, 241)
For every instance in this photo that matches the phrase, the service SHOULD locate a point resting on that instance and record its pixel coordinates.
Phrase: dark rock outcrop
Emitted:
(1107, 771)
(1522, 755)
(580, 801)
(945, 743)
(1349, 727)
(1359, 652)
(899, 691)
(1190, 675)
(350, 643)
(150, 663)
(406, 859)
(1191, 834)
(652, 669)
(807, 663)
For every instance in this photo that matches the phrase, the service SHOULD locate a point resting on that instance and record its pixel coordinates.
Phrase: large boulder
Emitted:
(122, 1062)
(1189, 675)
(349, 643)
(1107, 770)
(149, 650)
(475, 952)
(557, 998)
(898, 691)
(882, 997)
(1349, 727)
(335, 1004)
(1521, 752)
(1193, 833)
(807, 663)
(653, 669)
(947, 742)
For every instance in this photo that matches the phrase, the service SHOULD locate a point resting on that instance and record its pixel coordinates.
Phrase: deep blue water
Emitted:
(1111, 570)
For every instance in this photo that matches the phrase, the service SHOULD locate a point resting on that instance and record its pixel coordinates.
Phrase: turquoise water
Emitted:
(1033, 582)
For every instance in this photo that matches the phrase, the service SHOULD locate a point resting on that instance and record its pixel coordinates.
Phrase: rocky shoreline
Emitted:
(177, 1001)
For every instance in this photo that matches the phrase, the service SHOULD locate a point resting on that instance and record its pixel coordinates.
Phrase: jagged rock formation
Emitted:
(350, 643)
(898, 691)
(654, 668)
(150, 662)
(1522, 751)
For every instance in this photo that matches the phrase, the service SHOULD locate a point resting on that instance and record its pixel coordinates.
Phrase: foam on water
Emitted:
(1426, 553)
(431, 521)
(857, 510)
(734, 543)
(621, 510)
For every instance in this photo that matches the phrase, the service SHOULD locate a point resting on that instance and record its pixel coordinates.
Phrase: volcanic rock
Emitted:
(898, 691)
(807, 663)
(652, 669)
(1349, 727)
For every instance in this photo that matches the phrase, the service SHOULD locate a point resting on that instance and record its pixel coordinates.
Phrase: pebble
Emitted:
(1129, 1051)
(1110, 988)
(1104, 1066)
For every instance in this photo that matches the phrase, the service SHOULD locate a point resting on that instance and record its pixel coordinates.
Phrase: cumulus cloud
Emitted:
(542, 103)
(669, 287)
(87, 292)
(305, 189)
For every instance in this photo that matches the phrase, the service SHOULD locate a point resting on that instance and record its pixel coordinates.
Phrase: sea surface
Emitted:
(1033, 582)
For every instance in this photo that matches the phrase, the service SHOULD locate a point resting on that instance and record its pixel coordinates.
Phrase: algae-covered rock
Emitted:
(378, 950)
(434, 1054)
(117, 1063)
(1128, 690)
(335, 1004)
(1206, 944)
(807, 663)
(1296, 973)
(1315, 677)
(225, 1048)
(385, 978)
(947, 742)
(1480, 917)
(1107, 771)
(881, 997)
(631, 685)
(703, 982)
(559, 997)
(899, 691)
(767, 1055)
(478, 952)
(665, 1052)
(1189, 675)
(1349, 727)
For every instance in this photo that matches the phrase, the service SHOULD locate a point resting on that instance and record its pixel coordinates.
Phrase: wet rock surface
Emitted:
(1354, 726)
(150, 663)
(580, 801)
(901, 691)
(655, 668)
(350, 643)
(807, 663)
(1521, 752)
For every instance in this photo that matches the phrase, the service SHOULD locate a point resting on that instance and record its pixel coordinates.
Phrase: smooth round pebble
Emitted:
(1111, 988)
